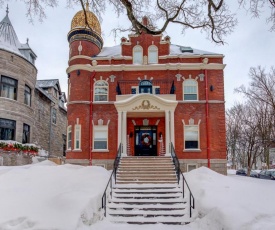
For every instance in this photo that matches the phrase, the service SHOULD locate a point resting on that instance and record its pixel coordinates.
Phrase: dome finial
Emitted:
(87, 6)
(7, 10)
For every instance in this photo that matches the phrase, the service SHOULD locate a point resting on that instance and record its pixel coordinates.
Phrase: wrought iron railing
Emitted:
(110, 181)
(184, 182)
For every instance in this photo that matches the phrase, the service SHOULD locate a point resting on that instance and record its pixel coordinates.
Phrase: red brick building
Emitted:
(145, 94)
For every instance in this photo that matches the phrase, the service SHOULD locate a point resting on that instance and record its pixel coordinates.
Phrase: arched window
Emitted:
(145, 86)
(152, 54)
(101, 91)
(190, 90)
(137, 55)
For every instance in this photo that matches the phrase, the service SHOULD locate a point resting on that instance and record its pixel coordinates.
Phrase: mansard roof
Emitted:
(115, 51)
(9, 40)
(48, 84)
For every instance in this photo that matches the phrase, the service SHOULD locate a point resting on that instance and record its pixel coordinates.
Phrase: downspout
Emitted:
(91, 116)
(207, 118)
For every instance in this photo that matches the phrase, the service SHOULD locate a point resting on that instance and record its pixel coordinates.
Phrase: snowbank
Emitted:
(232, 202)
(47, 196)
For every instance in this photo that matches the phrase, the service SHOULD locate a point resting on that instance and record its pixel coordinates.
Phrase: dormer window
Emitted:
(137, 55)
(152, 54)
(32, 59)
(145, 86)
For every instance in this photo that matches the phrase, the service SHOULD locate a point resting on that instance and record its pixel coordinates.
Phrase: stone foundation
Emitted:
(14, 159)
(217, 165)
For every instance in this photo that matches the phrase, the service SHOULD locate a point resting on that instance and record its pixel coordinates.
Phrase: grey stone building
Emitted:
(31, 110)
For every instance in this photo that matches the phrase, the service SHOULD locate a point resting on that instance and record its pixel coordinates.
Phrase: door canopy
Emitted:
(143, 103)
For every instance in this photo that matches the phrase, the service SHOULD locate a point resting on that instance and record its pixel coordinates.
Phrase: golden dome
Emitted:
(79, 20)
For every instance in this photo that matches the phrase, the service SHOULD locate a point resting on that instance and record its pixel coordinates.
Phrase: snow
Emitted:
(49, 196)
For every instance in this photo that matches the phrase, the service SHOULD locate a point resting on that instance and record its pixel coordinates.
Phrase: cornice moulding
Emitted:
(124, 67)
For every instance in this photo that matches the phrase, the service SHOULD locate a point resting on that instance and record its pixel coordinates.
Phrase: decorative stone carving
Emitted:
(146, 105)
(112, 77)
(145, 122)
(191, 121)
(94, 62)
(178, 76)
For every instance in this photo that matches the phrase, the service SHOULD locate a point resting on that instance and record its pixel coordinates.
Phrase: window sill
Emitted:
(77, 150)
(101, 150)
(192, 150)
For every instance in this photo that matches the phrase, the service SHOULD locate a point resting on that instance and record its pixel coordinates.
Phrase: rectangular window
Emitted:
(64, 137)
(77, 137)
(69, 135)
(54, 116)
(101, 137)
(26, 134)
(8, 88)
(7, 129)
(191, 167)
(191, 136)
(27, 95)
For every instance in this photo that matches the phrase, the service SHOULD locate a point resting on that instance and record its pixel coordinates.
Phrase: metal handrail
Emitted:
(179, 173)
(110, 181)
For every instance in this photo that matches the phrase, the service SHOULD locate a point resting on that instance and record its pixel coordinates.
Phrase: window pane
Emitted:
(101, 91)
(100, 135)
(7, 129)
(101, 83)
(190, 97)
(100, 144)
(54, 116)
(191, 144)
(153, 54)
(26, 134)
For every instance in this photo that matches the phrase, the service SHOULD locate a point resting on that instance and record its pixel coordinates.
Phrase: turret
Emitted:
(85, 39)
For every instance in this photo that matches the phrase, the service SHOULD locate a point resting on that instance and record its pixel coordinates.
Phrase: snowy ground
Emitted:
(45, 196)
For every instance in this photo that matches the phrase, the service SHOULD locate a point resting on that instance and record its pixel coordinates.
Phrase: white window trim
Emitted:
(134, 59)
(197, 88)
(107, 98)
(69, 129)
(75, 130)
(98, 128)
(190, 150)
(155, 49)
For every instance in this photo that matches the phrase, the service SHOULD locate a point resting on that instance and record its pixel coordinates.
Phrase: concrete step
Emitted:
(158, 201)
(147, 182)
(146, 191)
(152, 220)
(148, 196)
(147, 206)
(147, 213)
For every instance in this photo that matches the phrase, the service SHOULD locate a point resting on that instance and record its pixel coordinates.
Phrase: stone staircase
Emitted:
(147, 192)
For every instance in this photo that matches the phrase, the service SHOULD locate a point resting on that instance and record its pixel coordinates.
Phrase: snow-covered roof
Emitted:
(9, 40)
(116, 51)
(48, 83)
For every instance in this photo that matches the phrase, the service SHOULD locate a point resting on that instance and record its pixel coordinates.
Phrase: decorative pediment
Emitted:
(146, 105)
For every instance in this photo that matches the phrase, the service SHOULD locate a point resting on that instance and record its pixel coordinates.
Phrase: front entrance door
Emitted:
(145, 141)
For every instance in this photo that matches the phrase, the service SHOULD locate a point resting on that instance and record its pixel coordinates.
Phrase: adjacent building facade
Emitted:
(145, 94)
(31, 111)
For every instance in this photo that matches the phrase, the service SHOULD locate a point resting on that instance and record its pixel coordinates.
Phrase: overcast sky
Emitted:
(250, 45)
